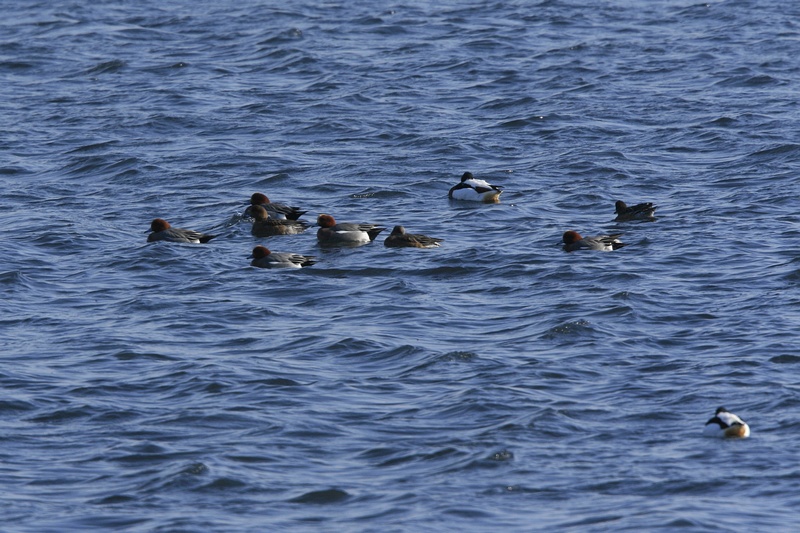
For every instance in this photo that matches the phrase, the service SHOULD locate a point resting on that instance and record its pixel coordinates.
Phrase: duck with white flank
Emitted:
(726, 424)
(345, 234)
(573, 241)
(475, 190)
(161, 230)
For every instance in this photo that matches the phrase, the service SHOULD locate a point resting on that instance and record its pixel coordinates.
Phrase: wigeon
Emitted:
(331, 233)
(264, 258)
(644, 211)
(573, 241)
(475, 190)
(266, 226)
(400, 239)
(726, 424)
(279, 211)
(162, 231)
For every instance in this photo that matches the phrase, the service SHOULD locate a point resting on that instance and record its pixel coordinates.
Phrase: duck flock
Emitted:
(271, 219)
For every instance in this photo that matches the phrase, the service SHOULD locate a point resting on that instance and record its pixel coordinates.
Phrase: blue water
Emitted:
(494, 384)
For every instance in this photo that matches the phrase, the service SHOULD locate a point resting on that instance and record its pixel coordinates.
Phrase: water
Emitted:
(495, 383)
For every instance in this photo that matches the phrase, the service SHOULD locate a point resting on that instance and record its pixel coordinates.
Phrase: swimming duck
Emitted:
(726, 424)
(266, 226)
(278, 211)
(331, 233)
(473, 189)
(263, 257)
(400, 239)
(162, 231)
(573, 241)
(644, 211)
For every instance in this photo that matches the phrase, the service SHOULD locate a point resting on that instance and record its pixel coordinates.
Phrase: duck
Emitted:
(400, 239)
(726, 424)
(263, 257)
(277, 211)
(161, 230)
(643, 211)
(266, 226)
(472, 189)
(573, 241)
(331, 233)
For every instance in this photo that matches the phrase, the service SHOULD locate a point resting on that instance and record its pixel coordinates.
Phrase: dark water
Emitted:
(496, 383)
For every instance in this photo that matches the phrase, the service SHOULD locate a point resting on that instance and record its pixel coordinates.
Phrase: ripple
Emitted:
(107, 67)
(322, 497)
